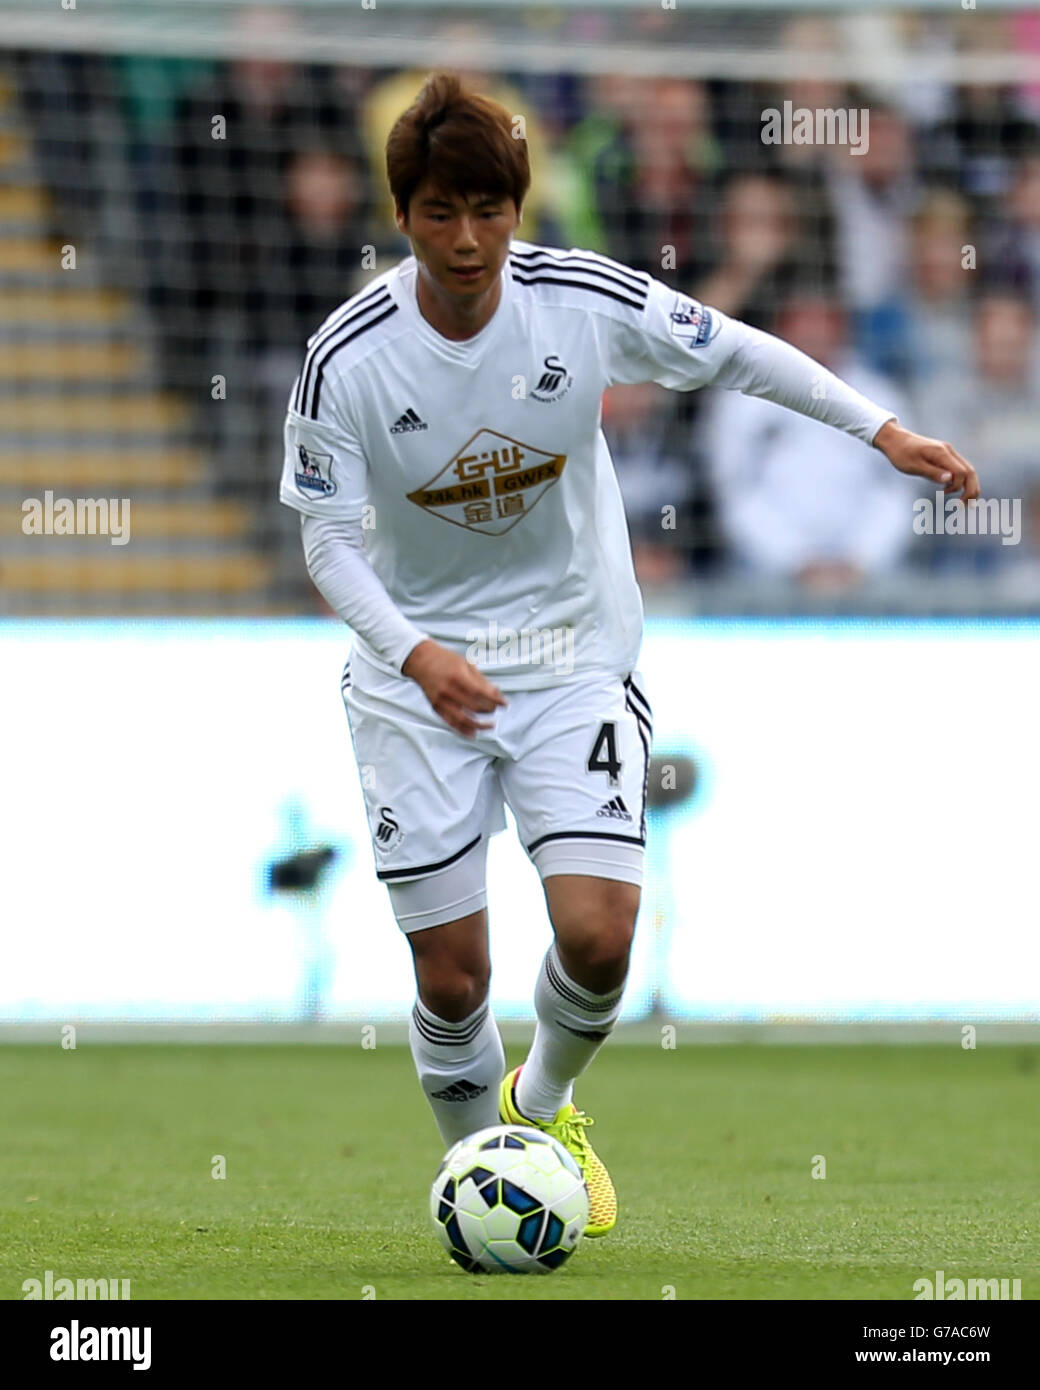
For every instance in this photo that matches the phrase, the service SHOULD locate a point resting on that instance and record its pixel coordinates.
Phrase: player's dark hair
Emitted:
(461, 141)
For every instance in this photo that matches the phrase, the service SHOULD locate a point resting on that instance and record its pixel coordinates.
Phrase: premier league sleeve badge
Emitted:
(314, 474)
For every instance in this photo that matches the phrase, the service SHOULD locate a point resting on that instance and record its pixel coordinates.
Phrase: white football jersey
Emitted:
(479, 469)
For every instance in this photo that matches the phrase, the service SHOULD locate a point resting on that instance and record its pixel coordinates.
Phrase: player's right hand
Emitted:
(455, 688)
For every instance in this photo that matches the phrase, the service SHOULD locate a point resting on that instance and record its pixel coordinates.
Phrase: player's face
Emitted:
(462, 242)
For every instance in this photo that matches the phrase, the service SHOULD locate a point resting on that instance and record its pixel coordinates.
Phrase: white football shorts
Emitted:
(571, 762)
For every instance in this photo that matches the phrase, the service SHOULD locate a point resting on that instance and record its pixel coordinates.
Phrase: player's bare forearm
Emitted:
(922, 457)
(454, 686)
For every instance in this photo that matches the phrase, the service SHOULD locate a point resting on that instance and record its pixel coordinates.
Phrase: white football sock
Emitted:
(460, 1066)
(573, 1024)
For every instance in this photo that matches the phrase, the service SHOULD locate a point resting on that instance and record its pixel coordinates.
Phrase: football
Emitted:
(509, 1200)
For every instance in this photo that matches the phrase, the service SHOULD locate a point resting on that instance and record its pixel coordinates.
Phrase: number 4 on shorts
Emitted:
(603, 757)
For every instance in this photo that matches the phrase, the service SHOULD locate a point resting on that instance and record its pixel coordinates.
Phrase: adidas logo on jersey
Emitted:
(459, 1090)
(408, 421)
(614, 810)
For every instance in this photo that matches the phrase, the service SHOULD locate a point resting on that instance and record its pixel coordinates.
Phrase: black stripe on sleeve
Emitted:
(336, 347)
(531, 261)
(539, 279)
(318, 363)
(350, 311)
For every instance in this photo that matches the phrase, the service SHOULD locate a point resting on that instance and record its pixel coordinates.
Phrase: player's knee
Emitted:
(594, 945)
(452, 991)
(452, 967)
(605, 948)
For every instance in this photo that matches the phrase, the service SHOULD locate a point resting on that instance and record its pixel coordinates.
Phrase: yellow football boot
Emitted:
(569, 1128)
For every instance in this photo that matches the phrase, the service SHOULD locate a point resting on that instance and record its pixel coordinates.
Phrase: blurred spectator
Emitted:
(976, 144)
(992, 416)
(317, 263)
(796, 498)
(873, 194)
(231, 177)
(975, 147)
(1011, 245)
(894, 40)
(151, 89)
(652, 460)
(304, 276)
(596, 139)
(755, 240)
(652, 182)
(814, 39)
(804, 166)
(929, 331)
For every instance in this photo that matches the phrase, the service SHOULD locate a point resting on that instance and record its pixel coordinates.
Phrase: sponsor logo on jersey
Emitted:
(691, 323)
(615, 809)
(408, 422)
(554, 382)
(490, 484)
(388, 834)
(315, 472)
(459, 1090)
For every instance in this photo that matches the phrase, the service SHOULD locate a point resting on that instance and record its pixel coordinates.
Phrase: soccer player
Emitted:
(460, 513)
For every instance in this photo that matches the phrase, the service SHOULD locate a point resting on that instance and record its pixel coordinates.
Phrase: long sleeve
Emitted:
(684, 345)
(761, 365)
(337, 564)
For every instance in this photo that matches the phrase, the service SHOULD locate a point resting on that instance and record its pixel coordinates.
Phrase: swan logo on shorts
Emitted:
(490, 484)
(315, 472)
(388, 834)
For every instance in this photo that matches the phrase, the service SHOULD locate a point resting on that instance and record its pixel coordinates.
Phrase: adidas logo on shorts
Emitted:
(407, 422)
(615, 810)
(459, 1090)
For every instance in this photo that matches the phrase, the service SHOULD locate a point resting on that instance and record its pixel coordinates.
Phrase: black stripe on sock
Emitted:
(441, 1037)
(579, 1033)
(563, 989)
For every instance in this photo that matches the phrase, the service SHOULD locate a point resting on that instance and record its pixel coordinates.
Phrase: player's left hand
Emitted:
(922, 457)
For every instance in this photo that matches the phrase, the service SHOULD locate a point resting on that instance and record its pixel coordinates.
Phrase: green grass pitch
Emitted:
(106, 1161)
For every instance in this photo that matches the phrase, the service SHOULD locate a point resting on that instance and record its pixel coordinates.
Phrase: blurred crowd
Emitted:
(912, 269)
